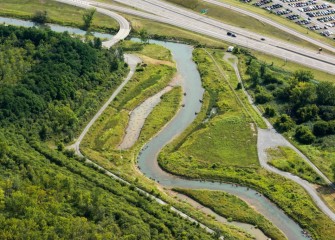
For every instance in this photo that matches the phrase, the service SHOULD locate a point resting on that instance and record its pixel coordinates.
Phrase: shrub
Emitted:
(239, 86)
(321, 128)
(270, 112)
(303, 76)
(327, 112)
(284, 123)
(304, 135)
(263, 97)
(40, 17)
(307, 113)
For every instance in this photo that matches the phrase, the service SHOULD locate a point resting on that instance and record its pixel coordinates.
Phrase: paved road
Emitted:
(269, 138)
(124, 29)
(210, 27)
(272, 23)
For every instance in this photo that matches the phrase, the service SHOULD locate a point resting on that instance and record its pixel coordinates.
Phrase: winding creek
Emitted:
(147, 160)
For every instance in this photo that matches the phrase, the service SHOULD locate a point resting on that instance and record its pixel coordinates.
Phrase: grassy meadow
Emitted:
(286, 159)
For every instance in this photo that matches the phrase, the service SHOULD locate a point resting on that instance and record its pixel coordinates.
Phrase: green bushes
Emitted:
(284, 123)
(304, 135)
(270, 112)
(263, 97)
(286, 159)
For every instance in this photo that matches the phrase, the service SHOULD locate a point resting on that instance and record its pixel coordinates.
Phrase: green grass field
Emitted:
(225, 141)
(150, 50)
(229, 137)
(288, 160)
(222, 203)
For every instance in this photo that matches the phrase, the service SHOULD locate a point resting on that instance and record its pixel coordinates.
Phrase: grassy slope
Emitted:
(288, 195)
(222, 203)
(286, 159)
(70, 15)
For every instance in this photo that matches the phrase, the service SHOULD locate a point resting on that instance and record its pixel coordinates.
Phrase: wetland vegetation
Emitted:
(174, 158)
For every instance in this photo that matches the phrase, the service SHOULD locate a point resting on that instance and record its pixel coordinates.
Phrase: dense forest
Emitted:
(50, 84)
(48, 80)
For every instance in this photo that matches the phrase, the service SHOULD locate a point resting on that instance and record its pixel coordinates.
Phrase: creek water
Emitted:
(147, 160)
(53, 27)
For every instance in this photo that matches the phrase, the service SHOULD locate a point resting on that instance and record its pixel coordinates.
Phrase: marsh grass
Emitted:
(233, 208)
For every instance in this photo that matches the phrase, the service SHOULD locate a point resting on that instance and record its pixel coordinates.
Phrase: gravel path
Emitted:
(269, 138)
(132, 61)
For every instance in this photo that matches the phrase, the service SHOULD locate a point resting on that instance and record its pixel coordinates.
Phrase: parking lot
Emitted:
(315, 15)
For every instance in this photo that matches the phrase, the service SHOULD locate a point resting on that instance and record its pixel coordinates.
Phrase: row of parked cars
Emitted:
(302, 4)
(326, 19)
(326, 33)
(283, 12)
(314, 7)
(274, 6)
(321, 13)
(293, 17)
(303, 22)
(262, 2)
(289, 1)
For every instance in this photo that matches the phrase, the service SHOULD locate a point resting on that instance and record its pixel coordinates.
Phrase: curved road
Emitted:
(124, 24)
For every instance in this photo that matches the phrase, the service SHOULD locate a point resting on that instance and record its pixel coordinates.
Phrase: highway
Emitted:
(170, 14)
(272, 23)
